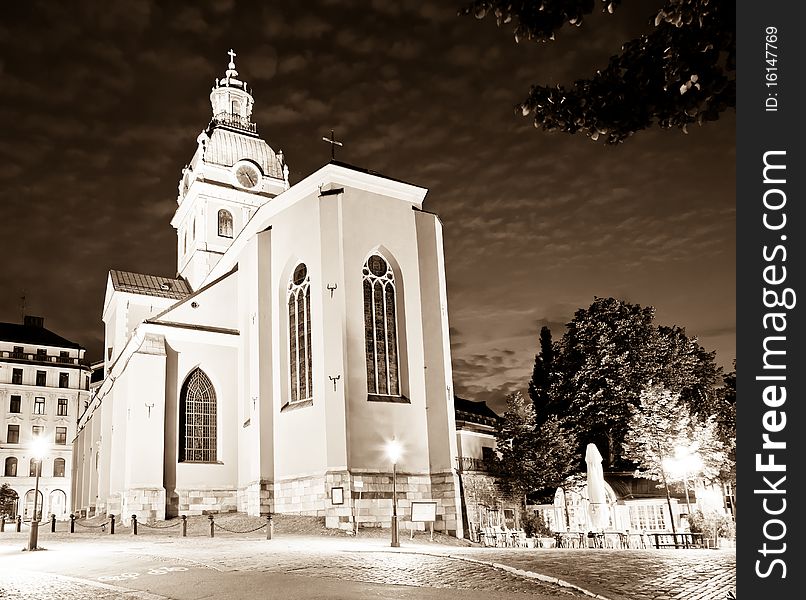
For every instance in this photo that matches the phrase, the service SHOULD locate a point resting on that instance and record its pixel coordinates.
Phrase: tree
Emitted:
(609, 353)
(662, 437)
(530, 457)
(540, 384)
(8, 500)
(658, 426)
(682, 72)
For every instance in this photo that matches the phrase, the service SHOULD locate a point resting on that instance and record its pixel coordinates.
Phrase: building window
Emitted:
(87, 382)
(58, 467)
(61, 435)
(15, 405)
(64, 356)
(11, 467)
(39, 406)
(64, 380)
(37, 430)
(380, 328)
(42, 378)
(19, 352)
(41, 354)
(13, 435)
(197, 419)
(61, 407)
(224, 223)
(32, 467)
(299, 334)
(16, 376)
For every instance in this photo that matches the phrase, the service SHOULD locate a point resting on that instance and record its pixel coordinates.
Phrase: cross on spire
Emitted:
(333, 143)
(232, 56)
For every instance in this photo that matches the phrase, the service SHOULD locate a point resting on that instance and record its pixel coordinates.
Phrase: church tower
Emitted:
(233, 172)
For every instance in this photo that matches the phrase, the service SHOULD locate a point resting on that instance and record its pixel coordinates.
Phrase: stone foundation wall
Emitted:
(480, 493)
(147, 503)
(445, 489)
(256, 498)
(207, 501)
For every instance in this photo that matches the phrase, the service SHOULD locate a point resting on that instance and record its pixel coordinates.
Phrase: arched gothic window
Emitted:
(380, 327)
(58, 467)
(299, 334)
(197, 419)
(224, 223)
(11, 467)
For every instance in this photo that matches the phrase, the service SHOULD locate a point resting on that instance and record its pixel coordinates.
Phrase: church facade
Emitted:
(306, 329)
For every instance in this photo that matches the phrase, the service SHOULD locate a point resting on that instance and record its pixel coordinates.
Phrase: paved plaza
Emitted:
(160, 565)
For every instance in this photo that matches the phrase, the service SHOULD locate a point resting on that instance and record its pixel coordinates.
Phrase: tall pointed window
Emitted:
(380, 328)
(299, 334)
(197, 419)
(224, 223)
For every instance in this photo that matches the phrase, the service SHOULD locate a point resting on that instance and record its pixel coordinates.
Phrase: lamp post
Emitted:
(393, 451)
(685, 461)
(38, 449)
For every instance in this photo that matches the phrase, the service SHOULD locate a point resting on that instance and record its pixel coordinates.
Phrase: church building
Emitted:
(306, 330)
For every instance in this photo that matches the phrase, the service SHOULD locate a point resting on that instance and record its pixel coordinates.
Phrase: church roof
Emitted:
(149, 285)
(227, 147)
(35, 335)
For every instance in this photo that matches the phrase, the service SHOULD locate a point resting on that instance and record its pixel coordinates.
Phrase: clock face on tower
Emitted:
(247, 175)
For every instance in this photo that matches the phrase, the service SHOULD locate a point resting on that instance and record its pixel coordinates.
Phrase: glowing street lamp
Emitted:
(684, 462)
(38, 450)
(394, 451)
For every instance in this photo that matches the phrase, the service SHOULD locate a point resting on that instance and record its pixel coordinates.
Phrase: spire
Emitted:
(232, 101)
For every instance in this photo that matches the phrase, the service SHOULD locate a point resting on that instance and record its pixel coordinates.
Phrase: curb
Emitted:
(131, 593)
(499, 566)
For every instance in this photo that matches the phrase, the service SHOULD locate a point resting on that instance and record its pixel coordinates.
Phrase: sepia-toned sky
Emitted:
(101, 103)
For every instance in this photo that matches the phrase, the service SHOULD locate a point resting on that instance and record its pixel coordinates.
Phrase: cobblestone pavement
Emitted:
(28, 585)
(627, 574)
(608, 574)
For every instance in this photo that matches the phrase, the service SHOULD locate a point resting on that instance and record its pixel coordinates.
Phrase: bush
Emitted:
(712, 524)
(534, 526)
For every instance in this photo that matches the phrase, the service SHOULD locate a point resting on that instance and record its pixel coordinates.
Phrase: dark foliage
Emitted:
(681, 73)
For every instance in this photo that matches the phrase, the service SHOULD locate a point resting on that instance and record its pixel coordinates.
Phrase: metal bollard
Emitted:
(111, 524)
(19, 523)
(2, 523)
(134, 524)
(72, 523)
(269, 527)
(184, 526)
(212, 526)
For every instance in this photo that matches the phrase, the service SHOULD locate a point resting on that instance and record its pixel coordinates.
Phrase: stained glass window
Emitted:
(380, 327)
(224, 223)
(197, 419)
(299, 335)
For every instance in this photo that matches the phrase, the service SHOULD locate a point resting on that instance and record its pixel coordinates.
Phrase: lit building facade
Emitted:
(44, 383)
(306, 328)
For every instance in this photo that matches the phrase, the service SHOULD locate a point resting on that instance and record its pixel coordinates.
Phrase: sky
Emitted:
(101, 104)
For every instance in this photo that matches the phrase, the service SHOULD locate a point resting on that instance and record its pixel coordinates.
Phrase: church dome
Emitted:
(226, 147)
(231, 135)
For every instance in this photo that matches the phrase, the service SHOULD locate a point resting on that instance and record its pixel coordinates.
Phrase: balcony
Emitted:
(467, 463)
(33, 357)
(234, 121)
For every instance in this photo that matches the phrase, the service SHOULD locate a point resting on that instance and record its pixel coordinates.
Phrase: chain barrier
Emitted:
(144, 524)
(233, 531)
(28, 522)
(91, 526)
